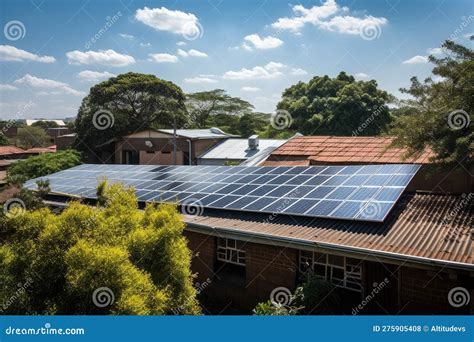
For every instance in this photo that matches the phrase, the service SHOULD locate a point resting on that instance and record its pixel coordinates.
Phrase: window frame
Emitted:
(225, 253)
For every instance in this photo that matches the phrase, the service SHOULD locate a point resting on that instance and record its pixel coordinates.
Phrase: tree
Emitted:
(3, 140)
(113, 259)
(127, 103)
(252, 123)
(202, 105)
(42, 165)
(337, 106)
(31, 136)
(439, 114)
(45, 124)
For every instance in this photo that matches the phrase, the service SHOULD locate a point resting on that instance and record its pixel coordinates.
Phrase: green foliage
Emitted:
(439, 112)
(45, 124)
(252, 123)
(31, 136)
(130, 101)
(3, 140)
(202, 105)
(141, 257)
(41, 165)
(337, 106)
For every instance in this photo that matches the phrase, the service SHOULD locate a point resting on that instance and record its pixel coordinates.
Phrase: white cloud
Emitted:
(89, 75)
(435, 51)
(163, 19)
(263, 43)
(163, 58)
(145, 44)
(298, 71)
(270, 70)
(181, 43)
(11, 53)
(45, 83)
(191, 53)
(328, 16)
(127, 36)
(250, 89)
(416, 60)
(201, 79)
(361, 75)
(7, 87)
(101, 57)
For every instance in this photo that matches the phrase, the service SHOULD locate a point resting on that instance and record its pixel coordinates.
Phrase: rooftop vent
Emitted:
(253, 142)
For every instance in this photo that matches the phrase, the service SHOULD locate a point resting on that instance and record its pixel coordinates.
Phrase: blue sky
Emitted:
(52, 52)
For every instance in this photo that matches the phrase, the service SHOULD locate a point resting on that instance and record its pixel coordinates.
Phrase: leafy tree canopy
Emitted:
(203, 105)
(337, 106)
(3, 140)
(127, 103)
(440, 111)
(45, 124)
(31, 136)
(42, 165)
(113, 259)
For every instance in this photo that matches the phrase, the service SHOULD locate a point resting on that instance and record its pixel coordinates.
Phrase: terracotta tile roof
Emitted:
(48, 149)
(436, 227)
(303, 162)
(332, 149)
(7, 150)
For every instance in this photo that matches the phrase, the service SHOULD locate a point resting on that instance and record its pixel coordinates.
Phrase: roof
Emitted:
(207, 133)
(421, 226)
(49, 149)
(58, 122)
(8, 150)
(332, 149)
(300, 162)
(239, 149)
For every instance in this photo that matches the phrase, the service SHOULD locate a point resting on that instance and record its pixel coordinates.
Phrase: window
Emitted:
(229, 250)
(230, 265)
(338, 270)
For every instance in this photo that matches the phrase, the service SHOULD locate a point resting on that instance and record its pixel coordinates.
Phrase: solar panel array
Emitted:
(355, 192)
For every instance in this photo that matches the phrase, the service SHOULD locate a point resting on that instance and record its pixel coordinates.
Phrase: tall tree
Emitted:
(203, 105)
(127, 103)
(337, 106)
(31, 136)
(440, 111)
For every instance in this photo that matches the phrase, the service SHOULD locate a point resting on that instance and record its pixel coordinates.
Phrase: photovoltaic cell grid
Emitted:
(355, 192)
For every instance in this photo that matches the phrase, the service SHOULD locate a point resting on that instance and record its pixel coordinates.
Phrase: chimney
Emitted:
(253, 142)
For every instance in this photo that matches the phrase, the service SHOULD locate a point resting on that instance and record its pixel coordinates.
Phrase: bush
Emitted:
(135, 262)
(41, 165)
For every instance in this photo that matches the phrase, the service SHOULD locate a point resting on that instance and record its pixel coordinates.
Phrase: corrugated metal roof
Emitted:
(7, 150)
(332, 149)
(239, 149)
(437, 227)
(209, 133)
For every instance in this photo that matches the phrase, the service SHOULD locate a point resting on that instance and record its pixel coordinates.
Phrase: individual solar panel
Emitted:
(355, 192)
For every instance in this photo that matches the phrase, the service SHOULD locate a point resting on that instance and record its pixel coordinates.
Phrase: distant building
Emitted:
(60, 123)
(239, 150)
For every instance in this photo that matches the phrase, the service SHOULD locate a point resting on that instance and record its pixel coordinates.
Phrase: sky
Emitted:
(52, 51)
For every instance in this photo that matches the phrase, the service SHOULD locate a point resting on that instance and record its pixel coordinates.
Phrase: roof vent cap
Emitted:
(253, 142)
(216, 130)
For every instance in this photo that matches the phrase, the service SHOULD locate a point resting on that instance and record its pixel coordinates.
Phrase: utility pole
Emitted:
(174, 139)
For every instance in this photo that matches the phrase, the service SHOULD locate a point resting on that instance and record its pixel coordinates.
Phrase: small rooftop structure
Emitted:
(206, 133)
(240, 150)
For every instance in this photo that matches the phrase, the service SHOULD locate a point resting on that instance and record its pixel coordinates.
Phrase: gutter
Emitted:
(200, 228)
